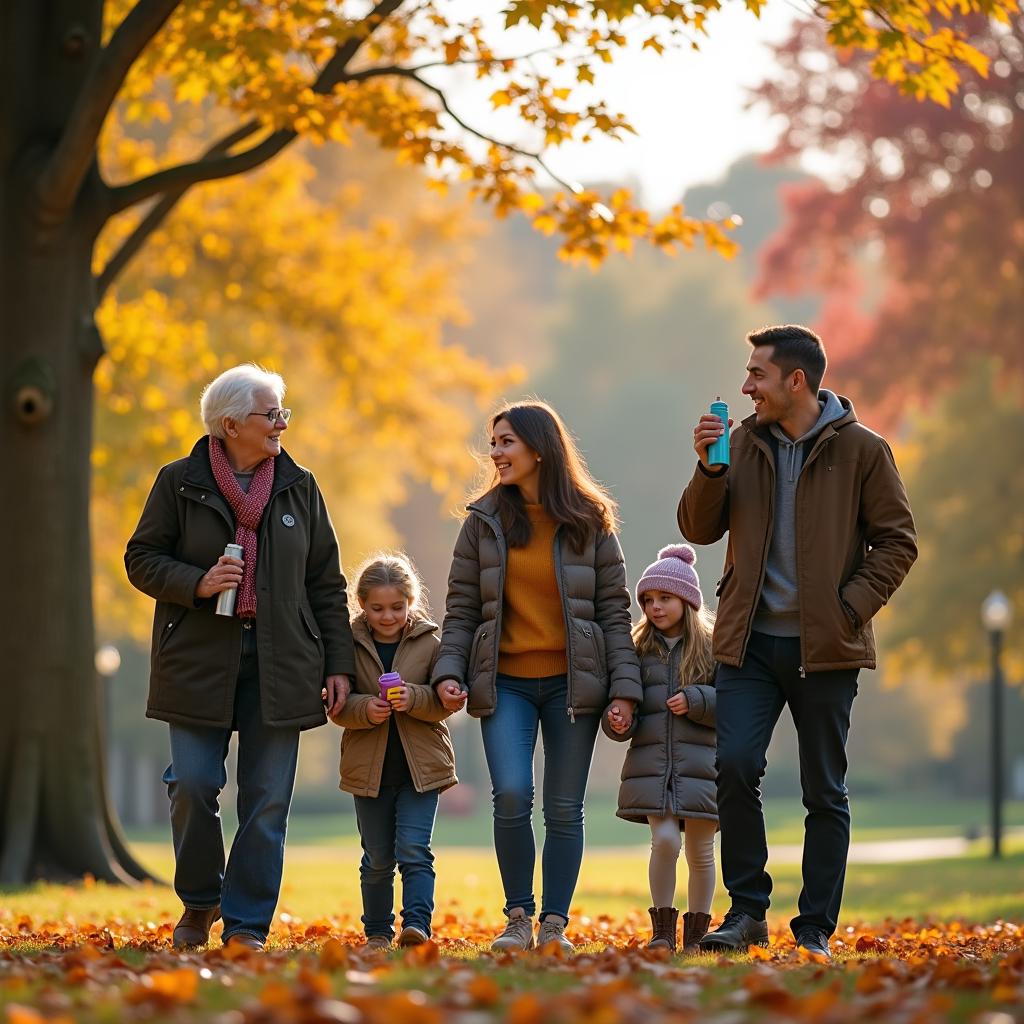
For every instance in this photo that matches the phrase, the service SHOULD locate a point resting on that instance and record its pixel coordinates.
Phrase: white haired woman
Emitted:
(267, 671)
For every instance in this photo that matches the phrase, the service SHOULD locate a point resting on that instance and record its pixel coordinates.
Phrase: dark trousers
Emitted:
(749, 702)
(247, 887)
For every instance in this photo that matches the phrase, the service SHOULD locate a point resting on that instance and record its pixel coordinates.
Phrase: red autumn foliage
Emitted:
(935, 191)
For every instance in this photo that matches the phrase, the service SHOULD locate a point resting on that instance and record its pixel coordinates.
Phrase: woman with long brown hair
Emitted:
(536, 637)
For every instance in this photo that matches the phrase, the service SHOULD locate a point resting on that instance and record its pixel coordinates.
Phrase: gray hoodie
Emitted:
(778, 611)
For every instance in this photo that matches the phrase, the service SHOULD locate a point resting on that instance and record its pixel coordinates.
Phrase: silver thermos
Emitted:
(226, 598)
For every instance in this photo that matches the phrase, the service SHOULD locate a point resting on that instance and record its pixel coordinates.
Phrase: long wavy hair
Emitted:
(696, 664)
(568, 493)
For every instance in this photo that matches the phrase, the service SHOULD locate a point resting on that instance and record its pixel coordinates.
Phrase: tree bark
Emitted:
(55, 820)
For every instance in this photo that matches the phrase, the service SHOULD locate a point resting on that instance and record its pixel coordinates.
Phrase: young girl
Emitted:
(396, 754)
(536, 633)
(668, 778)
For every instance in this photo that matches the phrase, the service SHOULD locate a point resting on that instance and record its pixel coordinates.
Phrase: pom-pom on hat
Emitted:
(672, 573)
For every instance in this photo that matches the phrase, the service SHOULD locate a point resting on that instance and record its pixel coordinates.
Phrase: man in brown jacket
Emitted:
(820, 536)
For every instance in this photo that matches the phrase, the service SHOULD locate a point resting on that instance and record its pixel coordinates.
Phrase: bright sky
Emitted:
(687, 106)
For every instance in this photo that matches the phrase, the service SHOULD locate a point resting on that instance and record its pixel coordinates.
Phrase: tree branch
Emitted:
(209, 168)
(158, 213)
(206, 168)
(70, 161)
(537, 158)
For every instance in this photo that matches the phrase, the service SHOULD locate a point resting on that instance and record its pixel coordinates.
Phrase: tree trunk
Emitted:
(55, 819)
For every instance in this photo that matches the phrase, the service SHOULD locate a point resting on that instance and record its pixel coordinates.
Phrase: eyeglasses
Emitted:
(273, 415)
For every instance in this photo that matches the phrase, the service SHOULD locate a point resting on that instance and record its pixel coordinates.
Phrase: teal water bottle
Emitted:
(718, 453)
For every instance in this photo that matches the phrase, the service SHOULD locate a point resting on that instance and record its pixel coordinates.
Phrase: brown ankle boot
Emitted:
(664, 921)
(193, 929)
(695, 927)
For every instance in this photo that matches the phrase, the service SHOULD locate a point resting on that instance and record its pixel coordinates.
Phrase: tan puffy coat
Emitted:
(425, 738)
(595, 602)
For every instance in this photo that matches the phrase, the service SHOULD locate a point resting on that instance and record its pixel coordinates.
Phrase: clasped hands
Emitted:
(620, 711)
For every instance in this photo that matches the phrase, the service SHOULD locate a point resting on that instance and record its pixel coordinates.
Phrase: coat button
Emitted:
(202, 497)
(181, 490)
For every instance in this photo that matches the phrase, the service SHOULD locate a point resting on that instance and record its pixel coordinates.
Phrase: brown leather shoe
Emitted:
(246, 940)
(193, 929)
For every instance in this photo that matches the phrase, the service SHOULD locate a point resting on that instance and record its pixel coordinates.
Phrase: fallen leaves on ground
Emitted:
(64, 972)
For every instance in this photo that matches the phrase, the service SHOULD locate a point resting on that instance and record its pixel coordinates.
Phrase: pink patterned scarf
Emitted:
(248, 509)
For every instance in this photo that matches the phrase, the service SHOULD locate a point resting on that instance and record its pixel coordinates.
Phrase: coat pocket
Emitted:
(722, 583)
(313, 630)
(473, 665)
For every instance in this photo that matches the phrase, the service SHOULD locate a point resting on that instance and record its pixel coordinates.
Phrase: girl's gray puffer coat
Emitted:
(670, 765)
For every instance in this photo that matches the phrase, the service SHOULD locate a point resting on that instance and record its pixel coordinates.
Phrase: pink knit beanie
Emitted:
(672, 573)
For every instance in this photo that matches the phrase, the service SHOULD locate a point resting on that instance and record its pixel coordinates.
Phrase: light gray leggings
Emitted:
(666, 842)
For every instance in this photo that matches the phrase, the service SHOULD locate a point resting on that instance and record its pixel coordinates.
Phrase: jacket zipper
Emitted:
(672, 679)
(557, 555)
(819, 446)
(372, 648)
(766, 543)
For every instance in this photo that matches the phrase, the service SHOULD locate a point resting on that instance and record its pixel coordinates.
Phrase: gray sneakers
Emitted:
(552, 929)
(518, 933)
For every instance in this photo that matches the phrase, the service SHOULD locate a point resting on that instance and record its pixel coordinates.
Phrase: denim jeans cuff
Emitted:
(228, 936)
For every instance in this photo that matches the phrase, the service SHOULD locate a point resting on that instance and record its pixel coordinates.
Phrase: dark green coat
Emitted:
(302, 619)
(595, 604)
(670, 764)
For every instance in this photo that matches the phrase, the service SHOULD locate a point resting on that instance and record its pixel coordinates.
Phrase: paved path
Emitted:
(893, 851)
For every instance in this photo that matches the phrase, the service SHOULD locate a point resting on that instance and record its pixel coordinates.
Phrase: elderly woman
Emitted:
(268, 670)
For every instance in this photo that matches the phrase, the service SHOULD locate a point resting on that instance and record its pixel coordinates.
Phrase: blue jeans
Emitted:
(248, 888)
(510, 736)
(395, 827)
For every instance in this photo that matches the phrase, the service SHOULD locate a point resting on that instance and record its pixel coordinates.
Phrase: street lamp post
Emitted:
(107, 661)
(996, 613)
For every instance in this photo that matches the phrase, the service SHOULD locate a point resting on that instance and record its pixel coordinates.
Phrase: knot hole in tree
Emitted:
(33, 390)
(75, 43)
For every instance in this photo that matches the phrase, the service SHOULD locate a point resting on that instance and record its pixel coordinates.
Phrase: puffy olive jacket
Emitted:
(855, 538)
(302, 620)
(595, 603)
(670, 764)
(424, 736)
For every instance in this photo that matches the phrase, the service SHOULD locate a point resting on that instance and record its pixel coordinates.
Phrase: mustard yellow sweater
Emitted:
(533, 623)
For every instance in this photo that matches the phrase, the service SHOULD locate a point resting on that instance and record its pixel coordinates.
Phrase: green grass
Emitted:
(874, 818)
(323, 881)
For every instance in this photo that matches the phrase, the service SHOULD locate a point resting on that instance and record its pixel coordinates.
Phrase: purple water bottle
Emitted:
(389, 684)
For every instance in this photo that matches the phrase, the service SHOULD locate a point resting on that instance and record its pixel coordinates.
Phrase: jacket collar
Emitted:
(764, 435)
(416, 627)
(199, 472)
